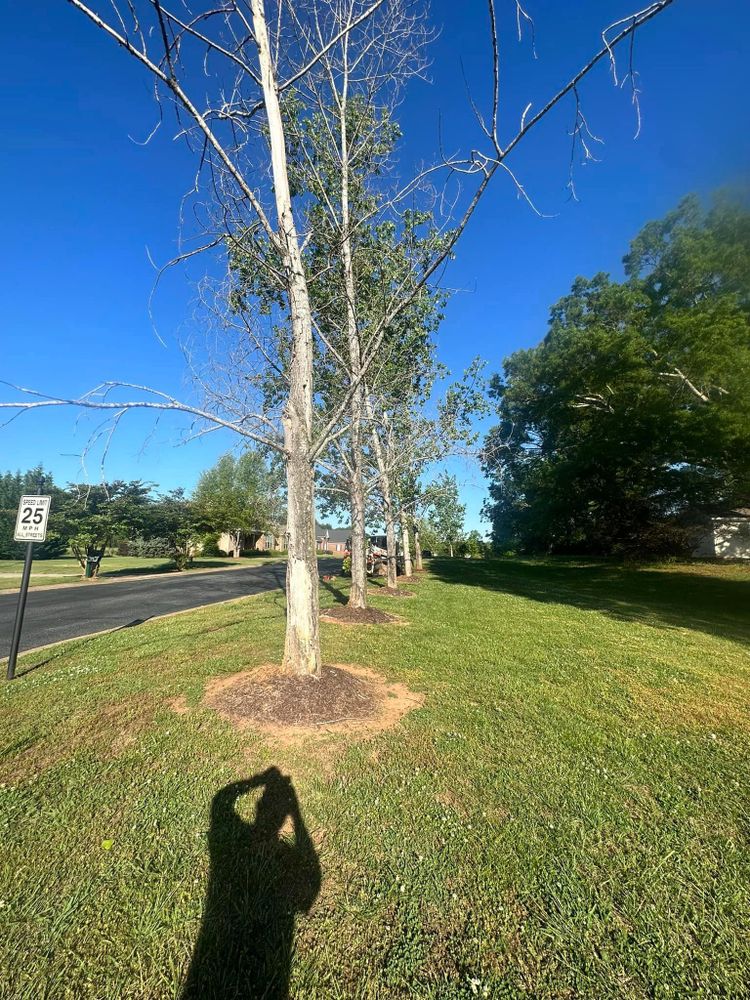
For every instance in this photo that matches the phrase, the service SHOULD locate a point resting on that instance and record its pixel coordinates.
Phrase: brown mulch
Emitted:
(412, 578)
(345, 615)
(344, 697)
(290, 700)
(390, 592)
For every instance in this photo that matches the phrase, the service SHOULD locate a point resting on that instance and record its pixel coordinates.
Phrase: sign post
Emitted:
(31, 526)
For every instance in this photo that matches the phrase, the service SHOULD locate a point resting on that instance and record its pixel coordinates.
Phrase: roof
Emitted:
(334, 534)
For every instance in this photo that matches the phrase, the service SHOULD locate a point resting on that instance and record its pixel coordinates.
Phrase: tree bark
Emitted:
(358, 591)
(385, 489)
(390, 535)
(405, 544)
(418, 548)
(302, 642)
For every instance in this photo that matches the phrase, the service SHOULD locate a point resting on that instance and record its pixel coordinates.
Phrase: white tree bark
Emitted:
(405, 543)
(302, 642)
(358, 591)
(418, 547)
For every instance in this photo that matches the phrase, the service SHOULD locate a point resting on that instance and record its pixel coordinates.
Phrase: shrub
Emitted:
(209, 545)
(346, 566)
(147, 548)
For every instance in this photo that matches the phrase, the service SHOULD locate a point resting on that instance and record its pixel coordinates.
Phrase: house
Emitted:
(726, 536)
(261, 541)
(333, 540)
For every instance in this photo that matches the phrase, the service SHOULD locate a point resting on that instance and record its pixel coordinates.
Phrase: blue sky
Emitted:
(85, 204)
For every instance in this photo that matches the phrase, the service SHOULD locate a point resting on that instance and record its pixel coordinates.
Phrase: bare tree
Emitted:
(229, 71)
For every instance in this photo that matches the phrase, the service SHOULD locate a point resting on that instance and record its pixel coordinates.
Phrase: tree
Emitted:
(171, 518)
(12, 487)
(227, 70)
(447, 514)
(239, 496)
(93, 517)
(631, 417)
(472, 545)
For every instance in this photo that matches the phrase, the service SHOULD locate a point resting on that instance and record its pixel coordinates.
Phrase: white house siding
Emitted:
(727, 538)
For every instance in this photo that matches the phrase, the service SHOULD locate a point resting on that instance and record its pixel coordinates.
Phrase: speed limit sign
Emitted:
(31, 522)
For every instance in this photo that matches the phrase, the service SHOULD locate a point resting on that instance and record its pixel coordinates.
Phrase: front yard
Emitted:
(566, 816)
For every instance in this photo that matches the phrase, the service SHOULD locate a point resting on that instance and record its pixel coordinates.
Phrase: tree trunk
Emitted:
(358, 591)
(385, 489)
(302, 642)
(390, 534)
(405, 544)
(450, 549)
(418, 548)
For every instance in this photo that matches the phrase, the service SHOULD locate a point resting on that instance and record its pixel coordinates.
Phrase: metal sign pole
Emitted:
(20, 611)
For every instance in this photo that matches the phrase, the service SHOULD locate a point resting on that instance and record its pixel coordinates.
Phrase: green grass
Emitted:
(66, 569)
(567, 815)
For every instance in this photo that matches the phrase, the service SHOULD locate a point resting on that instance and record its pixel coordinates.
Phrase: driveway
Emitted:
(70, 612)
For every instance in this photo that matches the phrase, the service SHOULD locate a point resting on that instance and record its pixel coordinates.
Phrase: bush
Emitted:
(147, 548)
(209, 545)
(346, 566)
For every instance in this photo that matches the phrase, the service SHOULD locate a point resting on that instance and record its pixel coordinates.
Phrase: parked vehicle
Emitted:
(377, 555)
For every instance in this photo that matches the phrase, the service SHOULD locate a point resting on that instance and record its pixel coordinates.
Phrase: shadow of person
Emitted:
(262, 874)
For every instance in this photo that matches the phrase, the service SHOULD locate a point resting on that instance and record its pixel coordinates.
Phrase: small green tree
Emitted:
(171, 518)
(472, 545)
(93, 517)
(447, 514)
(238, 495)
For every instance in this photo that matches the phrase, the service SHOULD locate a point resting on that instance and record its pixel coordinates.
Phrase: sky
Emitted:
(89, 208)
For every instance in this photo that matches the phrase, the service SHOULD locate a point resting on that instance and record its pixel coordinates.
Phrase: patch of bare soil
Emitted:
(343, 698)
(390, 592)
(410, 579)
(344, 615)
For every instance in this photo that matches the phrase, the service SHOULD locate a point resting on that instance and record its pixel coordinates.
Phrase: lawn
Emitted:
(66, 569)
(566, 816)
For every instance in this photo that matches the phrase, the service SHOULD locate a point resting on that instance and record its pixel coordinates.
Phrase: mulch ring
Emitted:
(412, 578)
(390, 592)
(343, 698)
(342, 614)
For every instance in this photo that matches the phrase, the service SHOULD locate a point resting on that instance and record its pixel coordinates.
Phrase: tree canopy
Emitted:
(631, 419)
(238, 495)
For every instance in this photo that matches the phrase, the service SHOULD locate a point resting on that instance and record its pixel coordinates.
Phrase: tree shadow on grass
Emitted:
(338, 596)
(661, 598)
(260, 879)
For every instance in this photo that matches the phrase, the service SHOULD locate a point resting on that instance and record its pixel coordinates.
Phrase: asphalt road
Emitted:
(70, 612)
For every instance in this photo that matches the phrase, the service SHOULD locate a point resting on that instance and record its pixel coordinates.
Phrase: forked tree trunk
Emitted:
(302, 642)
(418, 548)
(405, 544)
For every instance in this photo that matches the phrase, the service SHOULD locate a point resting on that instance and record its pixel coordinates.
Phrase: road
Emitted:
(70, 612)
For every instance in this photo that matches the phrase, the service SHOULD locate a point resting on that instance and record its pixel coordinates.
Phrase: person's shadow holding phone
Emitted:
(258, 882)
